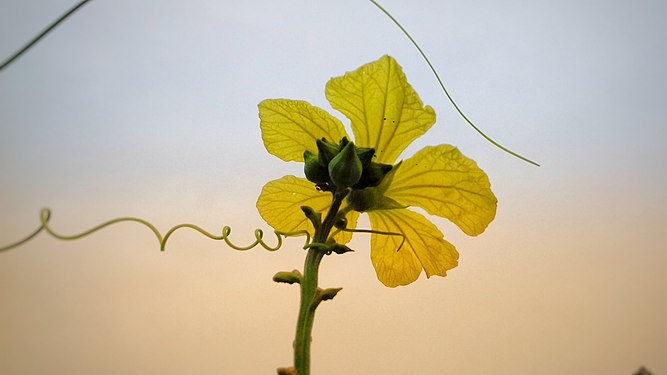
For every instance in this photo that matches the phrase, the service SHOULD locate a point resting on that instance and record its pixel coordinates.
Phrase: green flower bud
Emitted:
(373, 175)
(326, 151)
(314, 170)
(313, 216)
(340, 222)
(365, 155)
(343, 142)
(345, 169)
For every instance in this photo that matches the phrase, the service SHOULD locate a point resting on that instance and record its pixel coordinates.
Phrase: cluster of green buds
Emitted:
(343, 165)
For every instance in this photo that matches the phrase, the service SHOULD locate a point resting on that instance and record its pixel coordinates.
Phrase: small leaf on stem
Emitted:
(288, 277)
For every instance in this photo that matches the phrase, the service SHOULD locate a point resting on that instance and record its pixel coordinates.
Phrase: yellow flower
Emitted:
(386, 114)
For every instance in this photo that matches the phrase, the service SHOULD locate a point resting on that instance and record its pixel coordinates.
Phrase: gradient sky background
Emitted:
(148, 109)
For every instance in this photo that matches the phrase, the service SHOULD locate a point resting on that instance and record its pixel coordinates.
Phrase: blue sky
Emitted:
(149, 109)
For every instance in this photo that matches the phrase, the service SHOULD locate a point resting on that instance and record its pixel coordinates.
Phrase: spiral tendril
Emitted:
(45, 217)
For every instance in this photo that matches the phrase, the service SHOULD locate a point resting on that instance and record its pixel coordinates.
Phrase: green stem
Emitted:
(304, 325)
(310, 297)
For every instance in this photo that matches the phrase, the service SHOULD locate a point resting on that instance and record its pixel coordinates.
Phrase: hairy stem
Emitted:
(304, 326)
(310, 297)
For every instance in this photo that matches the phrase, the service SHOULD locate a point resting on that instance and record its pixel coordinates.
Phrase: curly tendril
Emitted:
(45, 217)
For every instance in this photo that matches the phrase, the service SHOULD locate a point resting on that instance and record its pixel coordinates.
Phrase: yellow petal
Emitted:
(280, 203)
(445, 183)
(398, 262)
(386, 113)
(290, 127)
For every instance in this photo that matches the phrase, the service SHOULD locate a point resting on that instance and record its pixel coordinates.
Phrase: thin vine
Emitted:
(442, 86)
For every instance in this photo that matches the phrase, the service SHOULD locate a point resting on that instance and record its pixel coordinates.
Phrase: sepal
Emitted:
(340, 249)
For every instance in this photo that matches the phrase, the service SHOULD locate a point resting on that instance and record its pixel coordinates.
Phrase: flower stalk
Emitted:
(311, 294)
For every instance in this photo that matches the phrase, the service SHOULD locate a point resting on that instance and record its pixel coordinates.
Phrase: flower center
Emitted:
(342, 166)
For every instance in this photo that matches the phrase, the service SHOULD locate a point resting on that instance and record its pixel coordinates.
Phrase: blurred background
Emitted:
(149, 109)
